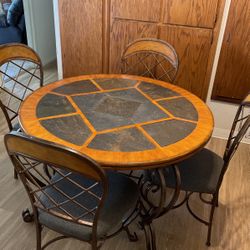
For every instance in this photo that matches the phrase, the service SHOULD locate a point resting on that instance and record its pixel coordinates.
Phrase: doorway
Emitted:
(39, 19)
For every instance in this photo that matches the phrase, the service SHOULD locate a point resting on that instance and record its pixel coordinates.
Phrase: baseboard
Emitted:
(221, 133)
(50, 63)
(224, 133)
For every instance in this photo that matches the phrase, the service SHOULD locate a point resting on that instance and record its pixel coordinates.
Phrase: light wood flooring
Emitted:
(176, 230)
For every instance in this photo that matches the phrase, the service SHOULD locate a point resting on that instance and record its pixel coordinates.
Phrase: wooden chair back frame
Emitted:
(9, 53)
(155, 47)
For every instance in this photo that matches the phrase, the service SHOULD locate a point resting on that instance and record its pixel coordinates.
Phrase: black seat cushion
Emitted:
(200, 173)
(121, 201)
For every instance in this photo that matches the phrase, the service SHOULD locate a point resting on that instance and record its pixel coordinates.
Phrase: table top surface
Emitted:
(121, 121)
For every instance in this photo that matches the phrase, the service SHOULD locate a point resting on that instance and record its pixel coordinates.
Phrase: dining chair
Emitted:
(203, 173)
(152, 58)
(21, 72)
(80, 200)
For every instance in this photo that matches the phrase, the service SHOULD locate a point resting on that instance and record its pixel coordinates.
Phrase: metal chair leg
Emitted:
(27, 216)
(38, 237)
(15, 174)
(217, 201)
(149, 236)
(94, 245)
(153, 239)
(213, 206)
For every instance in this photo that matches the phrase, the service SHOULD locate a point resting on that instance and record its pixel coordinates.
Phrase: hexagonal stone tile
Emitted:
(69, 128)
(51, 105)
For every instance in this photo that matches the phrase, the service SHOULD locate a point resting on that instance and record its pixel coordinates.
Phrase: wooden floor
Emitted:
(175, 231)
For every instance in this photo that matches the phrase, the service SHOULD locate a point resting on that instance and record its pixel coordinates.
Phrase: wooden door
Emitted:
(123, 33)
(140, 10)
(130, 20)
(198, 13)
(232, 81)
(193, 47)
(81, 36)
(186, 24)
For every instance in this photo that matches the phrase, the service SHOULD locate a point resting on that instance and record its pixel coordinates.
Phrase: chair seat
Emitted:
(200, 173)
(120, 203)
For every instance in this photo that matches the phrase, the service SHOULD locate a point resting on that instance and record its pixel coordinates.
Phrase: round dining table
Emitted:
(123, 122)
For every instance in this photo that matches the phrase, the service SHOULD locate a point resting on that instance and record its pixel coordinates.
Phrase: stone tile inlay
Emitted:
(174, 131)
(156, 91)
(85, 86)
(51, 105)
(117, 108)
(69, 128)
(127, 140)
(180, 107)
(115, 83)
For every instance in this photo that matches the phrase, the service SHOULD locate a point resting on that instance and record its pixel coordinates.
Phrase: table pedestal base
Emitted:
(150, 210)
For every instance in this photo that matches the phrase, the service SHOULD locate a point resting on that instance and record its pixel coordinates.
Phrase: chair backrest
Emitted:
(151, 58)
(45, 167)
(239, 128)
(20, 74)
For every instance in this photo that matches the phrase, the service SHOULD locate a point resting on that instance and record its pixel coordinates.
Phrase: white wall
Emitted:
(223, 112)
(58, 39)
(40, 28)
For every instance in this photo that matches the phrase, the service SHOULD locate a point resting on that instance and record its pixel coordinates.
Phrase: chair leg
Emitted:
(150, 237)
(94, 246)
(15, 174)
(131, 237)
(214, 204)
(27, 216)
(38, 236)
(217, 201)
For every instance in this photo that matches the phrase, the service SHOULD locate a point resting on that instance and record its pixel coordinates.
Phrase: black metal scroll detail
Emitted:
(151, 210)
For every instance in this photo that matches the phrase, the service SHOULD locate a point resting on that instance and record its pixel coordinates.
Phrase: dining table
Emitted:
(123, 122)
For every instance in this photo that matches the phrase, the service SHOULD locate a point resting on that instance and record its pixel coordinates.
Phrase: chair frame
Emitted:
(155, 47)
(9, 53)
(231, 147)
(19, 145)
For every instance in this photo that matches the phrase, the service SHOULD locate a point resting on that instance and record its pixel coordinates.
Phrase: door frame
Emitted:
(58, 39)
(38, 31)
